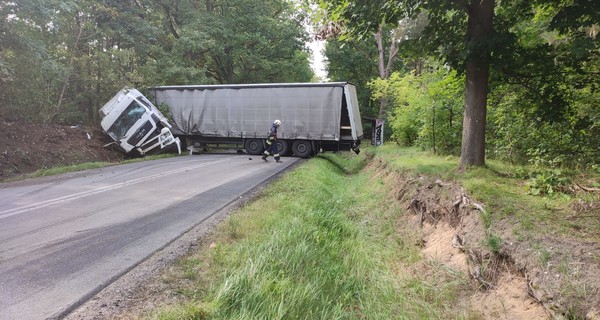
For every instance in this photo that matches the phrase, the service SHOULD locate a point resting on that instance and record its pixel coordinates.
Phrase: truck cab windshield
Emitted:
(128, 118)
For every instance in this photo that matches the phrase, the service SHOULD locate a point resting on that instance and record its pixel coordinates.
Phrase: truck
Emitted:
(315, 117)
(136, 125)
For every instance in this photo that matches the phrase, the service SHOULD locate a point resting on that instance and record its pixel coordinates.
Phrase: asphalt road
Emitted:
(63, 239)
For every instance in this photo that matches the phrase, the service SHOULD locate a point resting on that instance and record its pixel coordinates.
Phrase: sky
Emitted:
(317, 59)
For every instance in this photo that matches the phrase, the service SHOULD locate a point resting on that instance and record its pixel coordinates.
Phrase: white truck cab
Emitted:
(136, 125)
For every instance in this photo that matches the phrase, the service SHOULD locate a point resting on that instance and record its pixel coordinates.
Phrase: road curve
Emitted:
(63, 239)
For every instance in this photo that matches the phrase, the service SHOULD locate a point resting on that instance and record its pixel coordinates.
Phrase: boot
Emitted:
(278, 160)
(264, 157)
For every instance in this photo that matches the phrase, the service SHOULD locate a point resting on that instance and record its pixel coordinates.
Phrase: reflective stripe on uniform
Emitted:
(276, 155)
(269, 142)
(267, 152)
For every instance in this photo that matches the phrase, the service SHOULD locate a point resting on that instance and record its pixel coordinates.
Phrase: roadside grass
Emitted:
(503, 190)
(416, 161)
(81, 167)
(322, 242)
(545, 210)
(59, 170)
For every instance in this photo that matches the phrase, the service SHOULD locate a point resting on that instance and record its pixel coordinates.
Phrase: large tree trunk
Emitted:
(58, 107)
(481, 13)
(385, 69)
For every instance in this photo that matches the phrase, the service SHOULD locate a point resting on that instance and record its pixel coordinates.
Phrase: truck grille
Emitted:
(140, 133)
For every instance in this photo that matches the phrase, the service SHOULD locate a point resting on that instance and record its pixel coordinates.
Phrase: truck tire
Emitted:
(302, 148)
(253, 146)
(283, 147)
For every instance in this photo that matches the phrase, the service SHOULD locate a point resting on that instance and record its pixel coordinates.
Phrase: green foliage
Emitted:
(307, 261)
(363, 44)
(403, 96)
(541, 106)
(544, 84)
(416, 160)
(62, 60)
(504, 191)
(328, 249)
(245, 41)
(545, 256)
(494, 243)
(427, 108)
(486, 216)
(348, 62)
(517, 135)
(547, 182)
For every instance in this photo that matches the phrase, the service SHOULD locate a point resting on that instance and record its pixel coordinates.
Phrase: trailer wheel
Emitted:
(282, 147)
(302, 148)
(253, 146)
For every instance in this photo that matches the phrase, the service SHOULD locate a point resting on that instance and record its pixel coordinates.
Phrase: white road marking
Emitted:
(74, 196)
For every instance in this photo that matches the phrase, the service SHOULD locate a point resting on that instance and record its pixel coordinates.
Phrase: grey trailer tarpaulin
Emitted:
(354, 114)
(307, 111)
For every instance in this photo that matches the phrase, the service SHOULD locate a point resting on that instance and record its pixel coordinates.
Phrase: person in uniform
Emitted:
(271, 145)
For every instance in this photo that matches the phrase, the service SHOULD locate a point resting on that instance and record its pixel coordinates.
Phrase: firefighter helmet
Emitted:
(277, 123)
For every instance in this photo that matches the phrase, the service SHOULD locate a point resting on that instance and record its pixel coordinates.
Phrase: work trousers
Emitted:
(271, 149)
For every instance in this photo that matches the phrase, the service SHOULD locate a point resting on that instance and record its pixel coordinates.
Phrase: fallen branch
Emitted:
(478, 206)
(457, 203)
(588, 189)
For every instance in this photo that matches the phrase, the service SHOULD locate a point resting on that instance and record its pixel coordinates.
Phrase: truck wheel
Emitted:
(302, 148)
(282, 147)
(253, 146)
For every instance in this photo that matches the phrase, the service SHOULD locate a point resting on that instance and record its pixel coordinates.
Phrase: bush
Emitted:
(548, 182)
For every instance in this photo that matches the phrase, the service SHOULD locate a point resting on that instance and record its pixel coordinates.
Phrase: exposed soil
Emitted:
(509, 283)
(26, 147)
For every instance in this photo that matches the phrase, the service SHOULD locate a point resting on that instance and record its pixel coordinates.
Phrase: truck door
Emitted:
(353, 111)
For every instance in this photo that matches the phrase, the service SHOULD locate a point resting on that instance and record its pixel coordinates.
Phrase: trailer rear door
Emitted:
(353, 111)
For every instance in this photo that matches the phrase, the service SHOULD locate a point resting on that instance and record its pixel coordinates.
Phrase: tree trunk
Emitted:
(479, 27)
(380, 56)
(433, 127)
(58, 108)
(385, 69)
(229, 75)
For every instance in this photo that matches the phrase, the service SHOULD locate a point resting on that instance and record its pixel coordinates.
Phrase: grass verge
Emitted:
(504, 191)
(324, 242)
(542, 218)
(321, 243)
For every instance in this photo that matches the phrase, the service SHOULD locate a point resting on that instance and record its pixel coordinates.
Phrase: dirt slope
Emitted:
(511, 283)
(26, 147)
